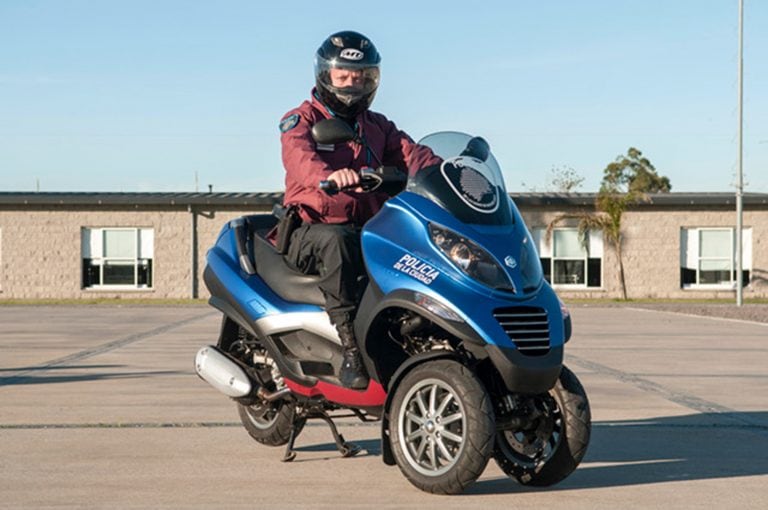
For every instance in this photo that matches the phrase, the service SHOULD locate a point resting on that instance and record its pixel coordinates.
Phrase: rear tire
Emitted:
(551, 452)
(441, 427)
(268, 423)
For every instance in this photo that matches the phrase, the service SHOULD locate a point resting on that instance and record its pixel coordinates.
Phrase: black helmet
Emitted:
(352, 52)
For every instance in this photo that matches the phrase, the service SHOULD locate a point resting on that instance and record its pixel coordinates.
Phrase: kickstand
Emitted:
(346, 449)
(297, 424)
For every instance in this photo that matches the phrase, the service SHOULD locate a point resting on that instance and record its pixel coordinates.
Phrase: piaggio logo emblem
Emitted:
(510, 262)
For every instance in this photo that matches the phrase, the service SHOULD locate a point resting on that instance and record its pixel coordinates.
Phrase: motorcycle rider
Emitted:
(347, 72)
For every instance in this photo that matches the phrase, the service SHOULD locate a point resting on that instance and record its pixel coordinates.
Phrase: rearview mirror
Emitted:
(332, 131)
(478, 148)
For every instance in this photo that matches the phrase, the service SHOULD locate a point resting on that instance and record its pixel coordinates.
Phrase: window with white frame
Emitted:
(708, 257)
(117, 257)
(567, 261)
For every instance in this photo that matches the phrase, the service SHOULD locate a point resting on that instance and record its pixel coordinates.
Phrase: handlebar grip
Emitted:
(330, 187)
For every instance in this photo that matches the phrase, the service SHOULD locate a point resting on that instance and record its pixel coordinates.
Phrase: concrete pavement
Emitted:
(100, 408)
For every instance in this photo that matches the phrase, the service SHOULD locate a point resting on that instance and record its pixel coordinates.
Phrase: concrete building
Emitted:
(152, 245)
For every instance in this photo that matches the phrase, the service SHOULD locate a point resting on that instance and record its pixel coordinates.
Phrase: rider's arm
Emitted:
(400, 150)
(302, 163)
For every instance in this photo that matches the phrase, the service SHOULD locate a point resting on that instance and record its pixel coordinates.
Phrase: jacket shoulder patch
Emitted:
(289, 122)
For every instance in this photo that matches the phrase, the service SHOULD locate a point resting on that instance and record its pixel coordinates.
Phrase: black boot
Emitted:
(352, 373)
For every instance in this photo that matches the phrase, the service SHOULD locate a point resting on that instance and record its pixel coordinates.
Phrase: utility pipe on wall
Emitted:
(193, 251)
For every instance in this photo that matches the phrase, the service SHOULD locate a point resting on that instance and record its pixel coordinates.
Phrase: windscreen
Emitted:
(467, 183)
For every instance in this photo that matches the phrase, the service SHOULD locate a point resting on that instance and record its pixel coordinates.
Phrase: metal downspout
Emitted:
(193, 252)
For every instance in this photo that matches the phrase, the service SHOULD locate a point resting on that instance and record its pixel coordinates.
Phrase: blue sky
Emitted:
(142, 95)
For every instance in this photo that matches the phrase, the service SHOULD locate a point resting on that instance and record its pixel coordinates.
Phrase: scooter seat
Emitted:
(282, 279)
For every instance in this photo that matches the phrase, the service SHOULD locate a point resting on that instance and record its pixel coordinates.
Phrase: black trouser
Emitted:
(334, 253)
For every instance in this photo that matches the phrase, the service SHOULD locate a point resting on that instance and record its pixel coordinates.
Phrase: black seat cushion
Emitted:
(284, 281)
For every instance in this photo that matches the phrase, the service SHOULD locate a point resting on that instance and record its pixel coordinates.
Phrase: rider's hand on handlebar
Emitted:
(345, 178)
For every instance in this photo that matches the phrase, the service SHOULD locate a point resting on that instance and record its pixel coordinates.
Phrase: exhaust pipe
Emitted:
(218, 370)
(263, 394)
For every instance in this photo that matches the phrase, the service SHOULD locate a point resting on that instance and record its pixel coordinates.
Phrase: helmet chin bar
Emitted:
(341, 108)
(347, 99)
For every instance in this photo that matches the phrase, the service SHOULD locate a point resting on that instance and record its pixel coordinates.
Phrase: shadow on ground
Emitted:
(625, 453)
(45, 377)
(692, 447)
(46, 368)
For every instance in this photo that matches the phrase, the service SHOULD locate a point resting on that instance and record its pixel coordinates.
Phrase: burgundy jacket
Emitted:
(307, 163)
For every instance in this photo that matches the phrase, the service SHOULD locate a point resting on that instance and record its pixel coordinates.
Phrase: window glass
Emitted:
(568, 244)
(594, 273)
(120, 257)
(120, 243)
(715, 277)
(119, 273)
(716, 243)
(708, 257)
(715, 265)
(569, 272)
(565, 259)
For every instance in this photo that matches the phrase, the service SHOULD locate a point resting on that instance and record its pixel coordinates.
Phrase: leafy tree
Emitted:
(565, 179)
(634, 174)
(561, 179)
(626, 181)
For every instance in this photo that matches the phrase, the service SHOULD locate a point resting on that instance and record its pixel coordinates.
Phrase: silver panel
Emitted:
(314, 322)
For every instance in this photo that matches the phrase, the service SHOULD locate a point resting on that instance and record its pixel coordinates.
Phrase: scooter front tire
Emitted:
(441, 427)
(558, 454)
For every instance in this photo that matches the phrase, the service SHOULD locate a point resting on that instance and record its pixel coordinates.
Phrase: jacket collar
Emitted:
(318, 105)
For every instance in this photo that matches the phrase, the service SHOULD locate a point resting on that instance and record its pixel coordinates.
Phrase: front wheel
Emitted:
(550, 448)
(441, 427)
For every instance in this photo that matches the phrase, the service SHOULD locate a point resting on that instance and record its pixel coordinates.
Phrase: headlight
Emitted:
(472, 260)
(461, 254)
(530, 265)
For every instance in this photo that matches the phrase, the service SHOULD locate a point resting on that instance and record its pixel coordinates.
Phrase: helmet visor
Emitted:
(348, 81)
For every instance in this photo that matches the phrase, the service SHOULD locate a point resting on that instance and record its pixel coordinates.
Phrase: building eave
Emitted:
(131, 199)
(267, 199)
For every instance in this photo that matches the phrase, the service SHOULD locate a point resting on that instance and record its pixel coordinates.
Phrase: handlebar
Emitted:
(388, 179)
(330, 187)
(369, 181)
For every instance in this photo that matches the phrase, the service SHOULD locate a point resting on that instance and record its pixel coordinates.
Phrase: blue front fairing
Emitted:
(400, 255)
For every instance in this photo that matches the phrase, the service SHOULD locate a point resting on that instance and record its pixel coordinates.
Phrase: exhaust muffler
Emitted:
(218, 370)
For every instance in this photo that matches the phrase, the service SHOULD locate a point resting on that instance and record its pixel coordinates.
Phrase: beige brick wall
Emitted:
(40, 250)
(651, 252)
(208, 228)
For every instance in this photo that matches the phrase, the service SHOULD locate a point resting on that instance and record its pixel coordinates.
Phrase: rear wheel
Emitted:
(268, 423)
(441, 427)
(548, 450)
